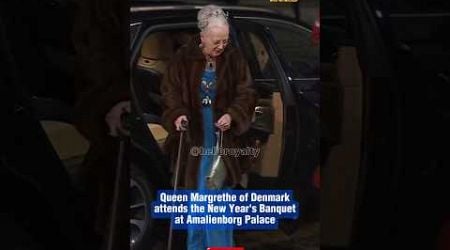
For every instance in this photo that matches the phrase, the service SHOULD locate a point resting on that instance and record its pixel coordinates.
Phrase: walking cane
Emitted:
(184, 125)
(112, 242)
(119, 170)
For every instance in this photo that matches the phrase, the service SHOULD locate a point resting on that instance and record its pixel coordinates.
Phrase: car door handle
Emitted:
(263, 119)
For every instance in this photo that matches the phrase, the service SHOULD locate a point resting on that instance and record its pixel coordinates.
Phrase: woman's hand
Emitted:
(114, 119)
(224, 122)
(178, 123)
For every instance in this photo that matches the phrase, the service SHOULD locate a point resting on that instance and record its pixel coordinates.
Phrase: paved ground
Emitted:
(305, 238)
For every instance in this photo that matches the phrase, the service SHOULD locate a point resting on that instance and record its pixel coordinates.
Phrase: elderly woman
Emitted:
(208, 85)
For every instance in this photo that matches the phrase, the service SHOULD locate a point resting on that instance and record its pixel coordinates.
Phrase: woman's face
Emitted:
(215, 40)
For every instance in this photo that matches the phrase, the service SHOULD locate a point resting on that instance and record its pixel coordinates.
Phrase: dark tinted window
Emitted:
(296, 46)
(255, 47)
(420, 6)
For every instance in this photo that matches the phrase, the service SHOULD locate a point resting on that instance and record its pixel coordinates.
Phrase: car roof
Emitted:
(171, 8)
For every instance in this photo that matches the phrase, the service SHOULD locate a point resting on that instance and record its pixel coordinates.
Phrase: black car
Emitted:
(284, 65)
(390, 64)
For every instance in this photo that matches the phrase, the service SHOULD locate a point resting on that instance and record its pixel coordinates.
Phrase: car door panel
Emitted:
(299, 59)
(266, 72)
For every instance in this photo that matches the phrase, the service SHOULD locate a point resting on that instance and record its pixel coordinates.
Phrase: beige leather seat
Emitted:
(156, 52)
(157, 49)
(68, 143)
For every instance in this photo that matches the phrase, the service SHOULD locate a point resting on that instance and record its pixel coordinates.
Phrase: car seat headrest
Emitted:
(157, 49)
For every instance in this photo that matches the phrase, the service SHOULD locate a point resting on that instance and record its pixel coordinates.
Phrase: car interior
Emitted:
(70, 145)
(267, 165)
(155, 53)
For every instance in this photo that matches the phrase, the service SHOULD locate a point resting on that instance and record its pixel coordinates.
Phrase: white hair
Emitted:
(211, 15)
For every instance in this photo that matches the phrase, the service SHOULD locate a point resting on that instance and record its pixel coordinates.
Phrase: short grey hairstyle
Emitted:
(210, 15)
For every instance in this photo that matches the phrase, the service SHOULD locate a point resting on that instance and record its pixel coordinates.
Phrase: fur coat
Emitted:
(235, 96)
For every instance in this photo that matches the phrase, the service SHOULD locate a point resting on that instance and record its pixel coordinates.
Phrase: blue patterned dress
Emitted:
(201, 239)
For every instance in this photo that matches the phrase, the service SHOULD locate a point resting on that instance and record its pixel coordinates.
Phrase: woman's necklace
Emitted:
(210, 63)
(208, 84)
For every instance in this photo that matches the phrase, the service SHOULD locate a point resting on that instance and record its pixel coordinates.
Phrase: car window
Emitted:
(331, 8)
(255, 47)
(265, 68)
(419, 6)
(296, 47)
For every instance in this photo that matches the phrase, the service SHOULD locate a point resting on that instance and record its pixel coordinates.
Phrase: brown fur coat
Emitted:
(235, 96)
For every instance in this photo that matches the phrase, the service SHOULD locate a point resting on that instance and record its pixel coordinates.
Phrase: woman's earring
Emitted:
(200, 45)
